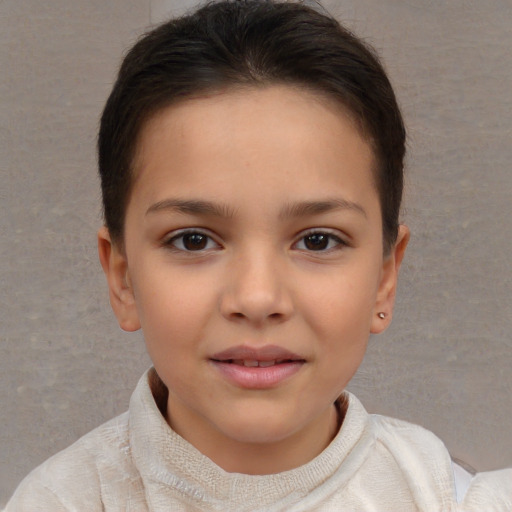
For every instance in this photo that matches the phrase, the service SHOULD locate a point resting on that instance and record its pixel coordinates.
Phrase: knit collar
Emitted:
(169, 465)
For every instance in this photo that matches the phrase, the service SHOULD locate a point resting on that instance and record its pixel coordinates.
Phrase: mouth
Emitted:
(242, 354)
(253, 363)
(261, 368)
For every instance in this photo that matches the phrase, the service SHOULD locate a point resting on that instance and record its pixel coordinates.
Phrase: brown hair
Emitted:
(254, 43)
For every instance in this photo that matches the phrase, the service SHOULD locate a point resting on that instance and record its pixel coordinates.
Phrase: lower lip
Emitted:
(257, 377)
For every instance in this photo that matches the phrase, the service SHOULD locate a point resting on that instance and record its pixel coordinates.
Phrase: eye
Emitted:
(192, 241)
(319, 241)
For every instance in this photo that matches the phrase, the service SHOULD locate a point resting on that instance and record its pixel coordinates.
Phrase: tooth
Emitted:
(265, 364)
(250, 362)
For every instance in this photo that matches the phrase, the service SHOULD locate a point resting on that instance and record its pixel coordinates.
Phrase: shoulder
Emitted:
(426, 463)
(72, 479)
(489, 491)
(410, 445)
(419, 457)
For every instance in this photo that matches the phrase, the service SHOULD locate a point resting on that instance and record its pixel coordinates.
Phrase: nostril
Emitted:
(256, 305)
(271, 316)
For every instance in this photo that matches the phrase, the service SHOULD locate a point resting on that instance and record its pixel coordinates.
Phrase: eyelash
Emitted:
(177, 241)
(334, 242)
(174, 240)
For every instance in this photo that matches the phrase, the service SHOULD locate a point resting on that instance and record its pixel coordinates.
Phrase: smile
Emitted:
(260, 368)
(253, 363)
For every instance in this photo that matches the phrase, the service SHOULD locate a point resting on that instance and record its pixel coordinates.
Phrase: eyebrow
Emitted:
(192, 206)
(306, 208)
(299, 209)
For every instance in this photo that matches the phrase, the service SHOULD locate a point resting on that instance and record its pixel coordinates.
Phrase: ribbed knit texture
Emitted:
(135, 462)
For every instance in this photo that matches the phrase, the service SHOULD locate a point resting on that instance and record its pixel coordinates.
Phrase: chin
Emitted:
(251, 430)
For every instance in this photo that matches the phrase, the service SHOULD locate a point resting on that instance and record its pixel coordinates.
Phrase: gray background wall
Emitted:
(65, 367)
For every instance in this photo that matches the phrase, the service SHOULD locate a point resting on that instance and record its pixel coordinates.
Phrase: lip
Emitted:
(257, 377)
(265, 353)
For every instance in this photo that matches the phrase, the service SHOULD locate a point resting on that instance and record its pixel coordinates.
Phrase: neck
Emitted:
(252, 458)
(261, 458)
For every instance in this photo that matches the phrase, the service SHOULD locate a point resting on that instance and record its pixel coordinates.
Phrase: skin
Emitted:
(255, 278)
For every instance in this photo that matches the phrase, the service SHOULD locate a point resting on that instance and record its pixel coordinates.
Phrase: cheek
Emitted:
(174, 307)
(341, 302)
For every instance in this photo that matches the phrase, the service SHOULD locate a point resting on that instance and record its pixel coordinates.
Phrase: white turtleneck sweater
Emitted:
(136, 463)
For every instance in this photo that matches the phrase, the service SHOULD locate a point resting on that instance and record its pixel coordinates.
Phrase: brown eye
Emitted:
(195, 241)
(192, 241)
(317, 241)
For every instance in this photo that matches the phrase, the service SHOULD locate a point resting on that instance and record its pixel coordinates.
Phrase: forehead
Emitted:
(280, 137)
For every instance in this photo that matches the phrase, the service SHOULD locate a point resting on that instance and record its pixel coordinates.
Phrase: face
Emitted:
(253, 260)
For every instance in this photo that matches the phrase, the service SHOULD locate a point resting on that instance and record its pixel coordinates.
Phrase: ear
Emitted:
(115, 266)
(387, 288)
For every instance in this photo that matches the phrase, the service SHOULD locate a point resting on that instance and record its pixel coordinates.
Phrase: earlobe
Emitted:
(385, 302)
(115, 267)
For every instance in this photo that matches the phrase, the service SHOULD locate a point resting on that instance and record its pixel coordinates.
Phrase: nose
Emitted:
(256, 290)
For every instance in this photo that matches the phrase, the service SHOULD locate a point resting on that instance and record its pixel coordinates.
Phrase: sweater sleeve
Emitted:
(94, 471)
(490, 491)
(33, 496)
(66, 482)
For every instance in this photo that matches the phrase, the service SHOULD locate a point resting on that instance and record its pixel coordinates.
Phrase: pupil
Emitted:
(317, 241)
(194, 241)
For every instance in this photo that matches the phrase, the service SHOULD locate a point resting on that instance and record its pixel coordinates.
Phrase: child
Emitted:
(251, 158)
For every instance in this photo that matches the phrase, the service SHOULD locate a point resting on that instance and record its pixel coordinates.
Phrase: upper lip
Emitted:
(265, 353)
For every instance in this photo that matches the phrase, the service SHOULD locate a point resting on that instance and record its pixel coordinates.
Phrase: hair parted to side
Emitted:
(254, 43)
